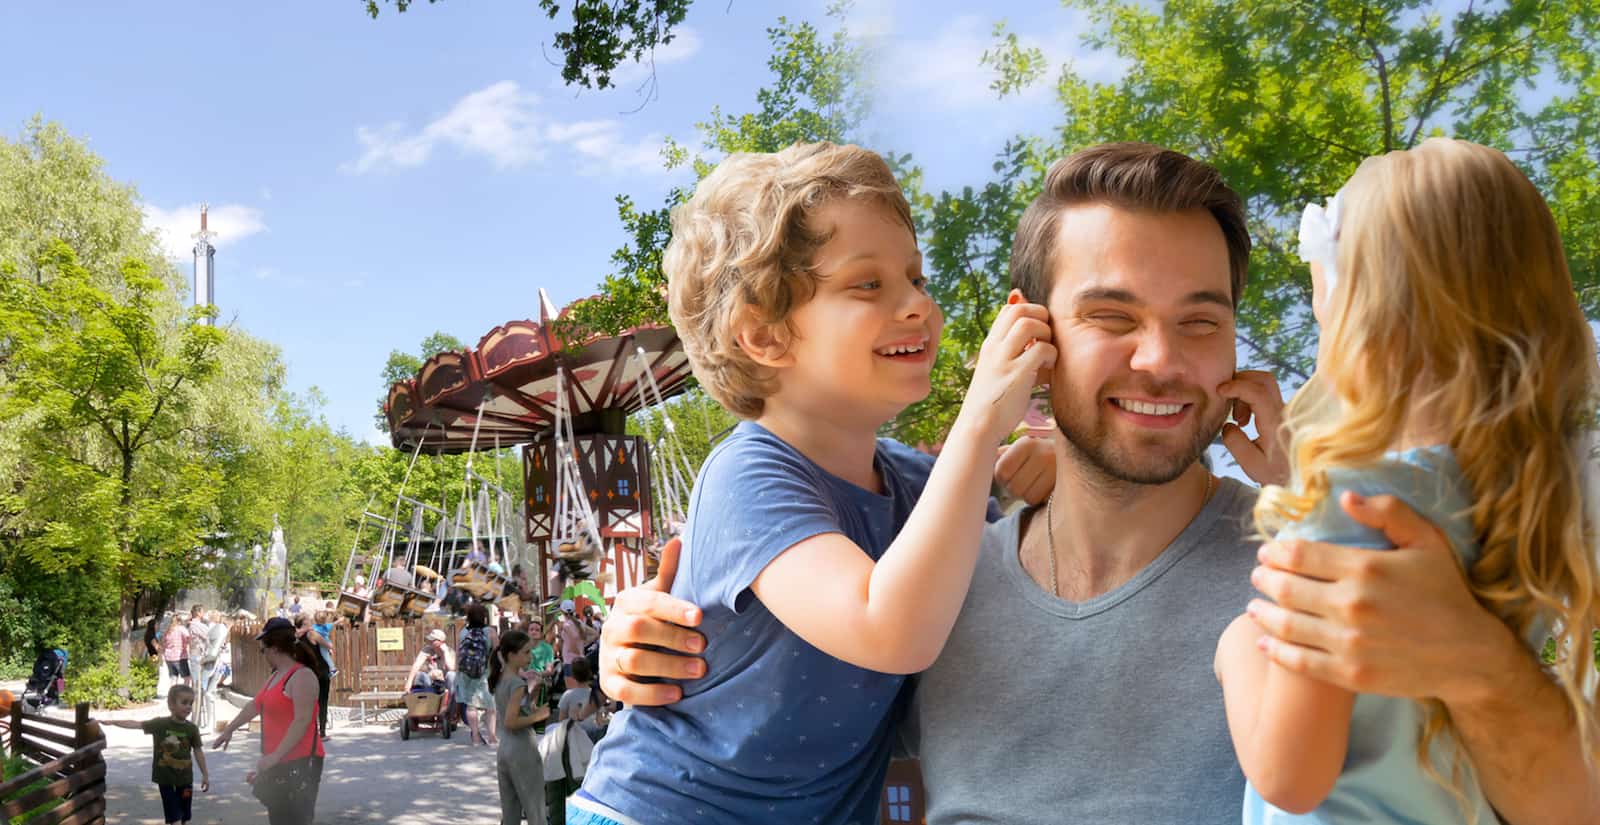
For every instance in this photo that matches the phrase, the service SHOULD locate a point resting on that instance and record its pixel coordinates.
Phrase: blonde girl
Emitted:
(1456, 372)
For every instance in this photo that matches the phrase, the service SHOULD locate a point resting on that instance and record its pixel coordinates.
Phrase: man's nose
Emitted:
(1159, 352)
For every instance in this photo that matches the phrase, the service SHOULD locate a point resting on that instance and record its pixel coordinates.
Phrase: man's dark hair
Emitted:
(1134, 176)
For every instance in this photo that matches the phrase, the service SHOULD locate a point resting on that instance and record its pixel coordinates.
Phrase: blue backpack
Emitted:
(475, 653)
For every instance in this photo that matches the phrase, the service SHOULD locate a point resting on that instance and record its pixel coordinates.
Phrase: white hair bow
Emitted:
(1319, 239)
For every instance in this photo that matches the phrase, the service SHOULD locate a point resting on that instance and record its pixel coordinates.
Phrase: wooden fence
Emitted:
(67, 758)
(354, 646)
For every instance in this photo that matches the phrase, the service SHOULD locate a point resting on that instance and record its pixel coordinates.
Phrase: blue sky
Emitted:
(375, 180)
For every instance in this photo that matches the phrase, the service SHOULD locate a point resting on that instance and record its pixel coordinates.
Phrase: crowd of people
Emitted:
(508, 684)
(192, 648)
(509, 675)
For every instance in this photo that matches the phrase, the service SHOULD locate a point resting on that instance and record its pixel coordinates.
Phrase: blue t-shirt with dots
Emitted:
(777, 731)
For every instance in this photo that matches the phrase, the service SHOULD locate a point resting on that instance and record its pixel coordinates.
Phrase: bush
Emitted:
(143, 676)
(15, 765)
(102, 686)
(16, 667)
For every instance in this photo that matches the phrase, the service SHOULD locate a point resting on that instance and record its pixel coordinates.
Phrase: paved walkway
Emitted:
(370, 776)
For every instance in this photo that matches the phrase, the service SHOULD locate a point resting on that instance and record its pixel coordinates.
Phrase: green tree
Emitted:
(317, 502)
(604, 34)
(52, 188)
(113, 383)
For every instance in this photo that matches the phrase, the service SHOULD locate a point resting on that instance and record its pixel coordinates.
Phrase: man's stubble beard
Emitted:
(1134, 464)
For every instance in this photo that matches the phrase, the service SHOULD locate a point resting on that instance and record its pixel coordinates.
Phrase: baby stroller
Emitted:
(45, 686)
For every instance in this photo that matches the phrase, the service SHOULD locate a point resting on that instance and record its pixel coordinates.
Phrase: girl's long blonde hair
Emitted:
(1454, 306)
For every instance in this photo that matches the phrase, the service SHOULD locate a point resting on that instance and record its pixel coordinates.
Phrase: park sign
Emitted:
(391, 639)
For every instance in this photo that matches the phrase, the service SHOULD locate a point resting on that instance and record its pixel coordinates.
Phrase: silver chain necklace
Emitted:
(1050, 529)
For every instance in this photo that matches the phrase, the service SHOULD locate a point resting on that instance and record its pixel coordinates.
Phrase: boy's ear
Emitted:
(765, 343)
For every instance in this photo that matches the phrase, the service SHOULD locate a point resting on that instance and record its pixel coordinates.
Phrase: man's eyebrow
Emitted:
(1210, 296)
(1123, 296)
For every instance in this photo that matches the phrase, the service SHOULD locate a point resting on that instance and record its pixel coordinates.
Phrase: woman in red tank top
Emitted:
(289, 773)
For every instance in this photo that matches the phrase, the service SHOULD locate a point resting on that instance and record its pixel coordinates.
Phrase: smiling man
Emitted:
(1077, 684)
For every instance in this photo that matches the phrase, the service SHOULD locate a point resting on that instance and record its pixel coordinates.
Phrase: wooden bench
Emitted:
(68, 770)
(381, 684)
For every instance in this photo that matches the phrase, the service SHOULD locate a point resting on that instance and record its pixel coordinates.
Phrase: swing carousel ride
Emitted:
(596, 497)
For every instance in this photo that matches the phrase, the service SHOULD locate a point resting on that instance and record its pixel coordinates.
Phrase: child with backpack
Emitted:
(1457, 373)
(473, 649)
(177, 748)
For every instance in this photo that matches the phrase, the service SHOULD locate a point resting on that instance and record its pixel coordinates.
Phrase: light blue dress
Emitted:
(1382, 782)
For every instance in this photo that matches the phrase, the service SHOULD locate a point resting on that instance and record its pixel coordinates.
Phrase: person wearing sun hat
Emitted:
(435, 666)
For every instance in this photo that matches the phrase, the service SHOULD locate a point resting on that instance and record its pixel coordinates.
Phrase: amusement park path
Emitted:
(371, 776)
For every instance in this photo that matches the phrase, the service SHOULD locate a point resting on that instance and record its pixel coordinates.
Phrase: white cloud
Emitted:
(503, 123)
(604, 149)
(499, 122)
(266, 273)
(685, 44)
(176, 227)
(946, 72)
(872, 19)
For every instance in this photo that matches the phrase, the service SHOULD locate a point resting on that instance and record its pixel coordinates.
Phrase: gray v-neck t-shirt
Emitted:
(1103, 711)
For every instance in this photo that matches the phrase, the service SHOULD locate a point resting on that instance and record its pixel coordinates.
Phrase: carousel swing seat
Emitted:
(476, 578)
(353, 606)
(425, 593)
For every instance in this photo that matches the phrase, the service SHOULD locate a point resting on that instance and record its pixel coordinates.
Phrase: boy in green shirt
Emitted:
(177, 747)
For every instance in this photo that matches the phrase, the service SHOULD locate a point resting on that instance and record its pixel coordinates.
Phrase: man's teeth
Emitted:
(901, 350)
(1149, 409)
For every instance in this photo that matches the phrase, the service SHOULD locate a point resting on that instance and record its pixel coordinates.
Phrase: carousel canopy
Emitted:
(506, 386)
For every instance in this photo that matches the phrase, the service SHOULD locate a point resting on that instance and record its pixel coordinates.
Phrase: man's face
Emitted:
(1142, 313)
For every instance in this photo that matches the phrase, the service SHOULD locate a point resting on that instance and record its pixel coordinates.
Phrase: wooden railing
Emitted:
(354, 647)
(68, 760)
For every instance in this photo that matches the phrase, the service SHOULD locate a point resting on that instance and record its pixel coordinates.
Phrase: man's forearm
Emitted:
(1525, 748)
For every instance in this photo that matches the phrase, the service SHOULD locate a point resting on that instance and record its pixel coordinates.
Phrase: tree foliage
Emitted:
(603, 34)
(140, 450)
(117, 481)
